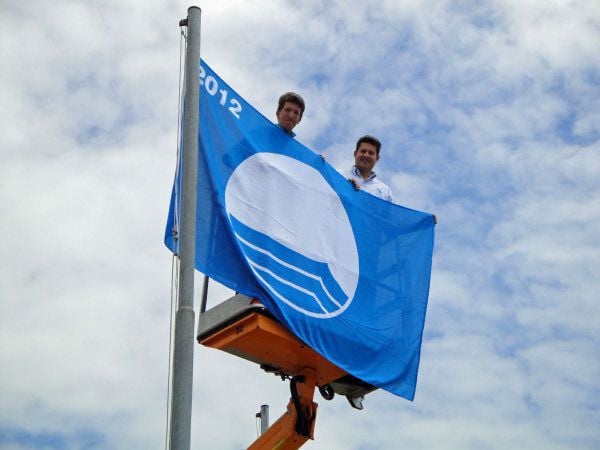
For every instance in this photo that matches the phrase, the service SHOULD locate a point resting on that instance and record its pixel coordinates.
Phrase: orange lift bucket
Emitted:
(243, 327)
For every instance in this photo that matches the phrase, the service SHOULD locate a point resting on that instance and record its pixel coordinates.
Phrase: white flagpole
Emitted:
(183, 348)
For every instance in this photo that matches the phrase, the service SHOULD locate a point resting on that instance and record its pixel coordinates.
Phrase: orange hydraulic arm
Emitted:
(261, 339)
(255, 336)
(297, 424)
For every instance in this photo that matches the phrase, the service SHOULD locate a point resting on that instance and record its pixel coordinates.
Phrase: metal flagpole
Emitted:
(183, 349)
(264, 418)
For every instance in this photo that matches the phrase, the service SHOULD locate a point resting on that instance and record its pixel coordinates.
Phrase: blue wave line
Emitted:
(302, 275)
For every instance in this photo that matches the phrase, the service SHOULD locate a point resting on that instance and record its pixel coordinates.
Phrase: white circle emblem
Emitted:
(294, 232)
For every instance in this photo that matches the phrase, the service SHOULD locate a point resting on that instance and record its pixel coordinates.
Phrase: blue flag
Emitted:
(346, 272)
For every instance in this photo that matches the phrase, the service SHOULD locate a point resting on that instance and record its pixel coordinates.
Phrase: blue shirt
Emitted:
(291, 133)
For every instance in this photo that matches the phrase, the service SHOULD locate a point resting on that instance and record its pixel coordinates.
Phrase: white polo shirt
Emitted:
(372, 185)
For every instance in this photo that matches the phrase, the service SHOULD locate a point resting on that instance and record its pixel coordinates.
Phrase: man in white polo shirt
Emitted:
(361, 174)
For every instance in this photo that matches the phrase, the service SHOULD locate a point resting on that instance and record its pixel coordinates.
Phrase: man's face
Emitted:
(365, 158)
(289, 116)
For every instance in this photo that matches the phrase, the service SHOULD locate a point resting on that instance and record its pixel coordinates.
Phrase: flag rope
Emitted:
(175, 259)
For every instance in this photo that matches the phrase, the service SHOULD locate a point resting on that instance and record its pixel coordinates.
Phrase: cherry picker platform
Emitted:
(245, 328)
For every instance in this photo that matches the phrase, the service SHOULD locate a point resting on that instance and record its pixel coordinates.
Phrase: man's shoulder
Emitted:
(378, 181)
(348, 173)
(381, 190)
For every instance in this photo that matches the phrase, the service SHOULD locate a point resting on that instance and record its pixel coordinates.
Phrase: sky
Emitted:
(489, 116)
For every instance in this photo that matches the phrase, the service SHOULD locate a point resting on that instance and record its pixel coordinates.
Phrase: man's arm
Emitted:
(352, 181)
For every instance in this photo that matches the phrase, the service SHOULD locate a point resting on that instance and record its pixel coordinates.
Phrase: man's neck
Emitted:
(365, 176)
(291, 133)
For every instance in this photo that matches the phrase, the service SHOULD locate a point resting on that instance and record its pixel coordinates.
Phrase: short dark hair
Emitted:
(369, 140)
(291, 97)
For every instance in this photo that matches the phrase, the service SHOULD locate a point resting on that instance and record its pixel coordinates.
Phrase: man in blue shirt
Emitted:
(289, 111)
(361, 174)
